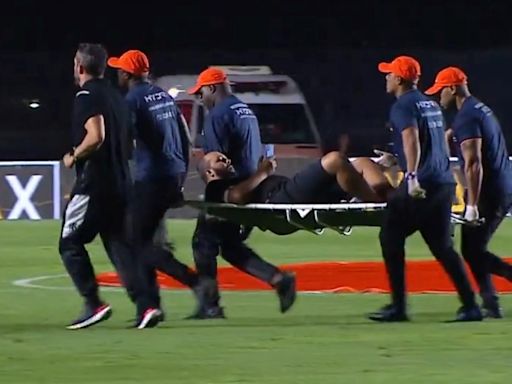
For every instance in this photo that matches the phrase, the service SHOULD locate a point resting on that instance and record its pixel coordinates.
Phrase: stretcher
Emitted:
(284, 219)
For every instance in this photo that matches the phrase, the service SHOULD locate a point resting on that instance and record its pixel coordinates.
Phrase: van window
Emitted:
(284, 123)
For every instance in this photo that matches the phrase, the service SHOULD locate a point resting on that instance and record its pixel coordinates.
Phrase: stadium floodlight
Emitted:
(34, 104)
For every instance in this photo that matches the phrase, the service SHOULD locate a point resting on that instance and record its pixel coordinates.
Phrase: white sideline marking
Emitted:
(29, 283)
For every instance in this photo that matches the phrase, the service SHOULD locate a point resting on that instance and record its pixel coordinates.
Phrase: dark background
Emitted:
(330, 48)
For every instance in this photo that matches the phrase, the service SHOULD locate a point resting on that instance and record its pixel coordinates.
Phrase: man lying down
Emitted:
(329, 180)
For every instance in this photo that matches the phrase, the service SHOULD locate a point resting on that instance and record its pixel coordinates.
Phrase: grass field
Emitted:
(324, 338)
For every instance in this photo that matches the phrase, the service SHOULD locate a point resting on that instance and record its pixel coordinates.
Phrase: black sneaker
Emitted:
(467, 314)
(207, 313)
(91, 316)
(160, 318)
(492, 311)
(149, 319)
(286, 291)
(389, 314)
(207, 295)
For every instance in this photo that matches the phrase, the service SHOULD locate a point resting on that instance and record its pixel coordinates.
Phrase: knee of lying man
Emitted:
(332, 162)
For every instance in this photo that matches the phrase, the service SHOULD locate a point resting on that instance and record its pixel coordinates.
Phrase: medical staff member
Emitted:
(488, 173)
(423, 201)
(231, 128)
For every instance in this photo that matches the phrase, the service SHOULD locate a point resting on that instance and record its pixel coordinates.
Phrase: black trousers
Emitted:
(149, 202)
(85, 217)
(431, 217)
(213, 237)
(474, 243)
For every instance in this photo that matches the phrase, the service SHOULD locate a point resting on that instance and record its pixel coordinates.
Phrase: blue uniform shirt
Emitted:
(476, 120)
(232, 128)
(414, 109)
(159, 152)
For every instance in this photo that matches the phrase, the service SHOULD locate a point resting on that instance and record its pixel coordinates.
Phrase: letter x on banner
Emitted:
(23, 194)
(24, 183)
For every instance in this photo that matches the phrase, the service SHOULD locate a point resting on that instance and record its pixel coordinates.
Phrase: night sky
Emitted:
(42, 26)
(330, 47)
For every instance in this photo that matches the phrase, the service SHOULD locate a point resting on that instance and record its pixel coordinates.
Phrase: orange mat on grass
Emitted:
(423, 276)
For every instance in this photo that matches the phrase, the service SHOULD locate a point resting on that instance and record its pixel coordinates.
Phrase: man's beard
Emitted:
(228, 172)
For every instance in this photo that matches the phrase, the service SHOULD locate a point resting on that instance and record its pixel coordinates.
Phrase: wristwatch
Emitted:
(410, 175)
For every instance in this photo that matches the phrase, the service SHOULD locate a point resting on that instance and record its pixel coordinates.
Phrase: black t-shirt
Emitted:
(216, 189)
(105, 170)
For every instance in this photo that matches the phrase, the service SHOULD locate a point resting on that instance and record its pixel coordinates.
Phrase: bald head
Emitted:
(215, 165)
(202, 167)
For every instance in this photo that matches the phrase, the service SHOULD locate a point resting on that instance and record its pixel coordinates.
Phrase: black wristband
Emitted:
(72, 154)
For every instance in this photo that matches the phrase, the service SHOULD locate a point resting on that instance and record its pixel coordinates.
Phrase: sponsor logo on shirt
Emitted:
(242, 110)
(155, 97)
(484, 108)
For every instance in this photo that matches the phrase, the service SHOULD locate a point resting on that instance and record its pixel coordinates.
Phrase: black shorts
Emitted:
(310, 185)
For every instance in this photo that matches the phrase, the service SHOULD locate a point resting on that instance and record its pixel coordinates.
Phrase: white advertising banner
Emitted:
(30, 190)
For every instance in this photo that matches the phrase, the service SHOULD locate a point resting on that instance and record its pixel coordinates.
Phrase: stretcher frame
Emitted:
(284, 219)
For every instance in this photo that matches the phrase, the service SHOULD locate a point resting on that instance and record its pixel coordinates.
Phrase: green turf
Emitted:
(324, 339)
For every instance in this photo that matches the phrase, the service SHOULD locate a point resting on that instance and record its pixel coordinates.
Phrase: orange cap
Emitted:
(209, 76)
(132, 61)
(446, 78)
(404, 66)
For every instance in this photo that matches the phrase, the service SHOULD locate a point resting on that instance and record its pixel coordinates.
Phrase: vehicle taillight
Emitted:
(186, 110)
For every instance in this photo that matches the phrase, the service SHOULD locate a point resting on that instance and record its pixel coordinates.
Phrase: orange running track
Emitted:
(425, 276)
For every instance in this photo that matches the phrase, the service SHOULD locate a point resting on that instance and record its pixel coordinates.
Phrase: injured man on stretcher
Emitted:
(331, 179)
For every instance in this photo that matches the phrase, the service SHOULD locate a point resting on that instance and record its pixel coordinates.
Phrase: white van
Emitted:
(284, 116)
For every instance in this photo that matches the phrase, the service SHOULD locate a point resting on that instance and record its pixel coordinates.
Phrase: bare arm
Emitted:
(472, 152)
(186, 130)
(412, 149)
(457, 172)
(94, 137)
(448, 136)
(241, 193)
